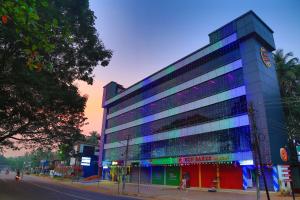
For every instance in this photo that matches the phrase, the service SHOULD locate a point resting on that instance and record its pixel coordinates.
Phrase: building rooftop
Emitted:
(148, 80)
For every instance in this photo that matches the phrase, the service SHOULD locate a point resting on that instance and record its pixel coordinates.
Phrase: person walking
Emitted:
(182, 184)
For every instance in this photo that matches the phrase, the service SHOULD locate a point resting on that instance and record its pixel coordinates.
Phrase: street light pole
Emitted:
(139, 181)
(256, 141)
(125, 165)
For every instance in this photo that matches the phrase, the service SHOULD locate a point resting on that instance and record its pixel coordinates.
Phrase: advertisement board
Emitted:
(85, 161)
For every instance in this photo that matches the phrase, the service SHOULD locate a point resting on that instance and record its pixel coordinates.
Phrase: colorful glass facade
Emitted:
(197, 107)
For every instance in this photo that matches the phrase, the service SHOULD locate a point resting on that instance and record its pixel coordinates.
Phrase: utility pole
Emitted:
(257, 183)
(256, 144)
(257, 172)
(291, 149)
(139, 181)
(118, 178)
(125, 165)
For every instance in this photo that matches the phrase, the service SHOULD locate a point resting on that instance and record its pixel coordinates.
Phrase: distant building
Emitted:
(191, 118)
(86, 155)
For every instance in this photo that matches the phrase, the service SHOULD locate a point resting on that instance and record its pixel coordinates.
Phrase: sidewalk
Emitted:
(158, 192)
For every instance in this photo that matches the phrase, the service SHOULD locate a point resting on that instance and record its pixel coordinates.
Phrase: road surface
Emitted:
(31, 188)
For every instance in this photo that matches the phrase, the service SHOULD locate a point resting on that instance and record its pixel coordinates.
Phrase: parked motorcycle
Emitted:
(18, 177)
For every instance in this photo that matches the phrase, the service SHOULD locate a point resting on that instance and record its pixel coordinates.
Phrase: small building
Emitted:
(191, 118)
(86, 155)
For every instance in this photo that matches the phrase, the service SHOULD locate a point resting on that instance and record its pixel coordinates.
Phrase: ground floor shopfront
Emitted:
(224, 176)
(225, 171)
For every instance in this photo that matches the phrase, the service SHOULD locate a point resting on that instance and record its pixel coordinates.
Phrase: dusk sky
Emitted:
(147, 35)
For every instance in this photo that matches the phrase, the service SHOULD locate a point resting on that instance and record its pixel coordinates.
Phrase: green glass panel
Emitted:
(158, 175)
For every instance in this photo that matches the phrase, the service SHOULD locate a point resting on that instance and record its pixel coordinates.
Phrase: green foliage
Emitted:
(15, 162)
(65, 150)
(25, 30)
(30, 160)
(3, 160)
(42, 107)
(34, 158)
(93, 138)
(288, 73)
(43, 33)
(37, 110)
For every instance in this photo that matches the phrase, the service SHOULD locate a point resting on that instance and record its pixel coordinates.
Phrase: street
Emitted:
(31, 188)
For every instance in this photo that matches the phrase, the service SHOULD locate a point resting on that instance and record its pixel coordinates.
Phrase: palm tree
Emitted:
(93, 138)
(288, 72)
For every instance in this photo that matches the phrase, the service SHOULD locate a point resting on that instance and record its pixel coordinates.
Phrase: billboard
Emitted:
(85, 161)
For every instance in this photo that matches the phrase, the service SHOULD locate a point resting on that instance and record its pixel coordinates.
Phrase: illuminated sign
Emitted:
(145, 162)
(244, 157)
(114, 163)
(265, 57)
(246, 162)
(107, 163)
(85, 161)
(283, 154)
(164, 161)
(284, 173)
(205, 158)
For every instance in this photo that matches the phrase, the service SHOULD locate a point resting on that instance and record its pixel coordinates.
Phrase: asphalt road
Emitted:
(31, 188)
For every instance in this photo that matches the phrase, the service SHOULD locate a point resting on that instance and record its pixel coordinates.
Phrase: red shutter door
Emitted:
(193, 173)
(231, 177)
(208, 174)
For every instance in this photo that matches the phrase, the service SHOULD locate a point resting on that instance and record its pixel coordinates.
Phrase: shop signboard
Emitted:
(284, 173)
(117, 162)
(265, 57)
(85, 161)
(283, 154)
(106, 163)
(72, 161)
(216, 158)
(164, 161)
(142, 163)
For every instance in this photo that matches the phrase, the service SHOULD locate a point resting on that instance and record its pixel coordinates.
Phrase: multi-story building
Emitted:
(191, 118)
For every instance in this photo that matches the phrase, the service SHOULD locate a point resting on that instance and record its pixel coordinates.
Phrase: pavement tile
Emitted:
(158, 192)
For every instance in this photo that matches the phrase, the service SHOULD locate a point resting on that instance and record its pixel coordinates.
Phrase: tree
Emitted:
(39, 105)
(93, 138)
(65, 150)
(32, 159)
(23, 34)
(35, 157)
(3, 161)
(38, 111)
(288, 73)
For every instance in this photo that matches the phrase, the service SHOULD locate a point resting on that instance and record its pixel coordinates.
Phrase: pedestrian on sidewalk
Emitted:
(182, 184)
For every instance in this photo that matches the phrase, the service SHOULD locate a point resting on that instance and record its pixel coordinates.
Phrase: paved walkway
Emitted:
(159, 192)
